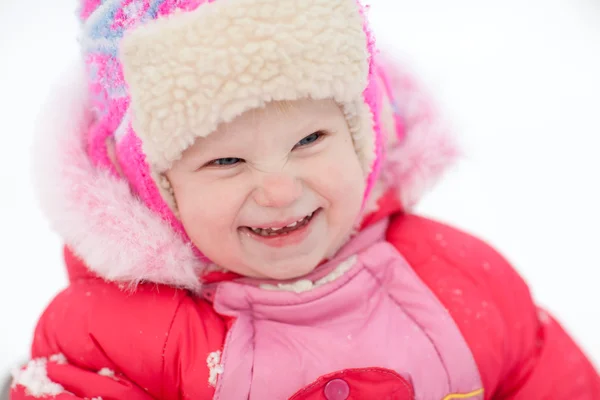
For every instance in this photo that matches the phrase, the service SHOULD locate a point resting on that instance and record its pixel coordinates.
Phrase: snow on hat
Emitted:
(163, 73)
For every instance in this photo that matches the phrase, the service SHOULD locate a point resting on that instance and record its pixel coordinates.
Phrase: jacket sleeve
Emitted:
(522, 353)
(550, 367)
(98, 341)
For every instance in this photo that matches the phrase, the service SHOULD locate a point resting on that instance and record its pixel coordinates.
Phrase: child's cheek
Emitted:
(218, 202)
(199, 203)
(337, 176)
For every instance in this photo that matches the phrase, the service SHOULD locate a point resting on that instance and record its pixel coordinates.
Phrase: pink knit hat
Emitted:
(165, 72)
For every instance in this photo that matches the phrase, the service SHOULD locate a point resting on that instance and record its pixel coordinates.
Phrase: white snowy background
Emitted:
(520, 81)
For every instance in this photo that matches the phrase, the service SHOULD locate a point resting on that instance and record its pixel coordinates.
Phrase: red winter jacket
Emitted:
(156, 339)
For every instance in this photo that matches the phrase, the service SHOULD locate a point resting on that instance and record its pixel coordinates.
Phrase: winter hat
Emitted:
(163, 73)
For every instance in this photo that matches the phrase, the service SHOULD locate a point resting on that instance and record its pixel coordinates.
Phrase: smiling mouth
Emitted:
(286, 230)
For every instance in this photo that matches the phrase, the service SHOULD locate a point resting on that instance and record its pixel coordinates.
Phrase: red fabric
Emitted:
(364, 383)
(521, 352)
(78, 382)
(157, 338)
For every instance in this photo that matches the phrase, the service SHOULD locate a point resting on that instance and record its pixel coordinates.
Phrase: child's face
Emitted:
(268, 169)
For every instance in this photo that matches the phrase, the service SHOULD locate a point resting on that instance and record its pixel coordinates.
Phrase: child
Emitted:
(233, 185)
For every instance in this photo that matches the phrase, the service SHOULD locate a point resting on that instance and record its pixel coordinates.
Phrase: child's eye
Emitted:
(310, 139)
(225, 162)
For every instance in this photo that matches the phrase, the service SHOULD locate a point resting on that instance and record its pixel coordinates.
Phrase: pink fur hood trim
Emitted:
(122, 240)
(94, 211)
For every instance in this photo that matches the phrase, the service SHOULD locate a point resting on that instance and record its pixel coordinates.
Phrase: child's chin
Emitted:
(289, 272)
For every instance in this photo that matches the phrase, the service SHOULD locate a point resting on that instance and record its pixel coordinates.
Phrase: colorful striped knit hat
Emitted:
(165, 72)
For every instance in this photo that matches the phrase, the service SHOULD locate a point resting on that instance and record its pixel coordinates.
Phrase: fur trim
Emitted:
(96, 214)
(251, 52)
(419, 145)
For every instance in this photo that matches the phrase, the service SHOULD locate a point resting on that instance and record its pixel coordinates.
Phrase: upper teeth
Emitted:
(293, 224)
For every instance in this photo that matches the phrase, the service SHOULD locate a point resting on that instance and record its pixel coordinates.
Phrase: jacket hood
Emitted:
(121, 240)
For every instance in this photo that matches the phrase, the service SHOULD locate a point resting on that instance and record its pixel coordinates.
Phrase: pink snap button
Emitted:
(337, 389)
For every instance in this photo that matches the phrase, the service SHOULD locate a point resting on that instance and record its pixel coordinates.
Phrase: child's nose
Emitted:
(277, 191)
